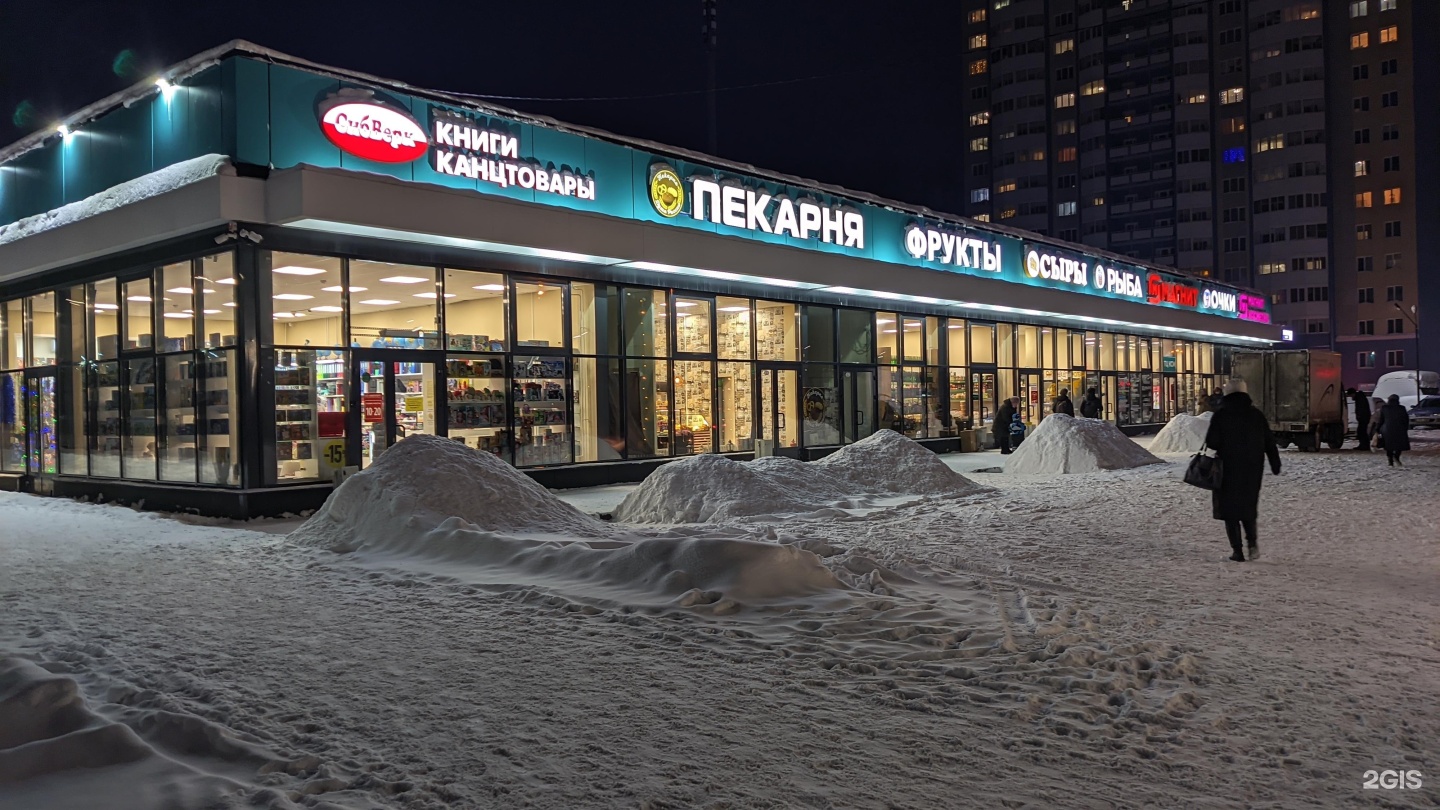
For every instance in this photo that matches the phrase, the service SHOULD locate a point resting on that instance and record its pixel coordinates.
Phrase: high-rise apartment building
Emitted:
(1205, 134)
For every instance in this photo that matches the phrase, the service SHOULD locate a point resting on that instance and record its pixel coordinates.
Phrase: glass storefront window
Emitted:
(777, 331)
(692, 325)
(1062, 349)
(175, 435)
(13, 435)
(295, 415)
(220, 449)
(476, 402)
(982, 344)
(139, 332)
(736, 391)
(887, 338)
(595, 318)
(307, 299)
(647, 404)
(1107, 351)
(857, 336)
(959, 398)
(955, 334)
(1004, 344)
(819, 335)
(732, 328)
(694, 422)
(43, 332)
(539, 388)
(933, 340)
(138, 442)
(914, 337)
(540, 314)
(105, 445)
(599, 431)
(820, 401)
(1028, 344)
(398, 307)
(216, 296)
(476, 311)
(12, 334)
(177, 308)
(73, 459)
(914, 401)
(888, 390)
(646, 323)
(105, 306)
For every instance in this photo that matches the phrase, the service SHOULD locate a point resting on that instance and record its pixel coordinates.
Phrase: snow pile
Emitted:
(1183, 434)
(127, 193)
(425, 480)
(705, 489)
(1063, 444)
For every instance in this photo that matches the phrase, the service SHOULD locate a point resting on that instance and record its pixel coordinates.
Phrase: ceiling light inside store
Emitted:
(178, 315)
(432, 295)
(292, 297)
(211, 311)
(229, 303)
(226, 281)
(734, 309)
(143, 299)
(296, 270)
(283, 315)
(492, 287)
(405, 280)
(686, 304)
(107, 306)
(379, 302)
(327, 309)
(338, 288)
(889, 331)
(883, 321)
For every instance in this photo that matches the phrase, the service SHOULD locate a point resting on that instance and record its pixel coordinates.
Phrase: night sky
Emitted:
(885, 118)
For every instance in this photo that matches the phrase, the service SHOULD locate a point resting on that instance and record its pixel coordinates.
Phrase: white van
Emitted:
(1403, 383)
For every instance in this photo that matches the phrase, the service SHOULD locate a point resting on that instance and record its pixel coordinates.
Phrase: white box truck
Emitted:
(1299, 392)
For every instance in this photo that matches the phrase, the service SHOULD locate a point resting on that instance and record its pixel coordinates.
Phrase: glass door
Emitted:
(780, 406)
(392, 396)
(39, 396)
(859, 394)
(982, 397)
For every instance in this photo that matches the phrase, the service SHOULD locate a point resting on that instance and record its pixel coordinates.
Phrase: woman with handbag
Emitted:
(1240, 436)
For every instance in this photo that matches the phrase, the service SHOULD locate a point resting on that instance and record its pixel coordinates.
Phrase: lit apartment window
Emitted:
(1007, 213)
(1097, 200)
(1358, 8)
(1360, 40)
(1270, 268)
(1064, 100)
(979, 195)
(1193, 98)
(1364, 200)
(979, 66)
(1388, 5)
(1065, 127)
(1232, 96)
(979, 40)
(999, 4)
(1272, 142)
(1064, 45)
(1363, 232)
(977, 16)
(982, 217)
(979, 144)
(1065, 154)
(1392, 261)
(1389, 33)
(1392, 196)
(1065, 209)
(1092, 88)
(1395, 358)
(1005, 186)
(1362, 168)
(980, 119)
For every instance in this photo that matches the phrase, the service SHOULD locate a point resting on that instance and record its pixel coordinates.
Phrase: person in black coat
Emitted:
(1394, 429)
(1362, 419)
(1090, 405)
(1063, 403)
(1240, 436)
(1004, 415)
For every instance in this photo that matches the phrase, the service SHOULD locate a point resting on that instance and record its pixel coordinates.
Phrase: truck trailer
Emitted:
(1299, 392)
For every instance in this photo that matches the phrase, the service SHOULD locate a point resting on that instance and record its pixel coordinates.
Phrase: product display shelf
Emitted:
(330, 390)
(295, 419)
(475, 406)
(179, 418)
(542, 411)
(108, 424)
(412, 380)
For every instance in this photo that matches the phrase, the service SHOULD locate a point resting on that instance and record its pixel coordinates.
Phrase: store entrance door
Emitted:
(38, 401)
(392, 395)
(859, 393)
(779, 408)
(982, 397)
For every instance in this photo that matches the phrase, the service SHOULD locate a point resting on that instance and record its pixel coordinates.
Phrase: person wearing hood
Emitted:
(1362, 419)
(1240, 436)
(1090, 405)
(1000, 428)
(1063, 403)
(1017, 424)
(1394, 429)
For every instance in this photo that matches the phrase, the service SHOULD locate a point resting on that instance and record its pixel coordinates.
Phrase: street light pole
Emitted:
(1415, 326)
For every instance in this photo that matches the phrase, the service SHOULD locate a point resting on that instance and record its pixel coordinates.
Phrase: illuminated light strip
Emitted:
(329, 226)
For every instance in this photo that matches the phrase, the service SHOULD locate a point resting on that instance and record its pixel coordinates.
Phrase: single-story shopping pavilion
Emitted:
(222, 288)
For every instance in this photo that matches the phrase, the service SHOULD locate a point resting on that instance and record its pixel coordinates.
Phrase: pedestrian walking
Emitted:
(1394, 429)
(1063, 403)
(1004, 415)
(1377, 404)
(1362, 419)
(1240, 436)
(1090, 406)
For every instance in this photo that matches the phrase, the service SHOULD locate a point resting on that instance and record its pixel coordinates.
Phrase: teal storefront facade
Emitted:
(222, 290)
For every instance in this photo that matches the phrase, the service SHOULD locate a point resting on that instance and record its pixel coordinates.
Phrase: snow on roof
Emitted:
(127, 193)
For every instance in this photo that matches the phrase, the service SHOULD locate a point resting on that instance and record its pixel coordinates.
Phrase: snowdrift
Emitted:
(1183, 434)
(434, 505)
(707, 489)
(1063, 444)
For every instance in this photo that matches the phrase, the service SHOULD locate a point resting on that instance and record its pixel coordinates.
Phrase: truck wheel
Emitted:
(1306, 442)
(1335, 436)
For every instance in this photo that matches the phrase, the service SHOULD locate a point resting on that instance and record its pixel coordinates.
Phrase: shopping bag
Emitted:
(1204, 471)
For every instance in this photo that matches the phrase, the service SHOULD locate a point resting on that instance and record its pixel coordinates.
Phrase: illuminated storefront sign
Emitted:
(1055, 267)
(464, 148)
(1252, 308)
(1178, 293)
(967, 250)
(736, 205)
(370, 130)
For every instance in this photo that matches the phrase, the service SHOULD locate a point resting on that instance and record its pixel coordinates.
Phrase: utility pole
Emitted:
(1415, 325)
(709, 38)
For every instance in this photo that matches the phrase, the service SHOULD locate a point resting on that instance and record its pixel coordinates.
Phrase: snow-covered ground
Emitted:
(1052, 641)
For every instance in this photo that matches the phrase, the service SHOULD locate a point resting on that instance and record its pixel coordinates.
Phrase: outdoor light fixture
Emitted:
(166, 88)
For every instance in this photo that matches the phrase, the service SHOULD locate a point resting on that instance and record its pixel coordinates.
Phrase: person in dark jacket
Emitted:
(1063, 403)
(1394, 429)
(1017, 425)
(1362, 419)
(1240, 436)
(1215, 400)
(1090, 405)
(1004, 415)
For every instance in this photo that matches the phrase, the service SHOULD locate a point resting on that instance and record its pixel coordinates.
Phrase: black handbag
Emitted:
(1204, 471)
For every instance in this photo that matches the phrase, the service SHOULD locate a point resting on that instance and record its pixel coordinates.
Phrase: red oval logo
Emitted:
(373, 132)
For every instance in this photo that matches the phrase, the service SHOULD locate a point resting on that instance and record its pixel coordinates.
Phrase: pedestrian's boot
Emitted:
(1252, 550)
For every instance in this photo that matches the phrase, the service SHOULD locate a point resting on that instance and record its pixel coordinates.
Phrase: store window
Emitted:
(1061, 358)
(541, 416)
(694, 420)
(647, 406)
(735, 389)
(692, 325)
(105, 320)
(1028, 344)
(43, 343)
(599, 429)
(933, 340)
(176, 437)
(982, 344)
(177, 307)
(12, 334)
(1004, 344)
(398, 307)
(1107, 351)
(820, 403)
(912, 334)
(308, 301)
(955, 336)
(138, 442)
(857, 336)
(105, 444)
(219, 447)
(216, 281)
(13, 434)
(476, 311)
(959, 401)
(818, 340)
(475, 402)
(540, 314)
(646, 323)
(777, 331)
(594, 318)
(887, 338)
(139, 331)
(733, 334)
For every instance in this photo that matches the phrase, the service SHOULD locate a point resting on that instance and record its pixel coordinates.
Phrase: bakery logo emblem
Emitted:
(363, 126)
(667, 192)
